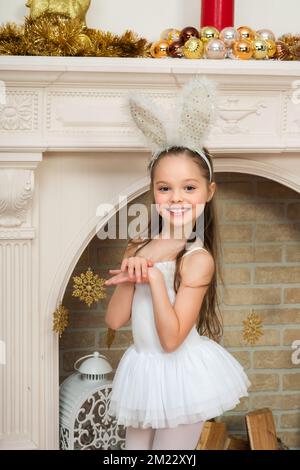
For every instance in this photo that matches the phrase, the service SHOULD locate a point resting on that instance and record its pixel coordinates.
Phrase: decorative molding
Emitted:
(20, 112)
(20, 234)
(16, 192)
(78, 102)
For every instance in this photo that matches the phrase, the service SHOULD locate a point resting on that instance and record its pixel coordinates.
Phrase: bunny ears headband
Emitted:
(194, 112)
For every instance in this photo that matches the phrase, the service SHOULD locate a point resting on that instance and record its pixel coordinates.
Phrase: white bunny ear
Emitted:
(145, 114)
(196, 111)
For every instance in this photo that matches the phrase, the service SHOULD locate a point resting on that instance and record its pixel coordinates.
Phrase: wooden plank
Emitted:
(236, 443)
(261, 430)
(213, 436)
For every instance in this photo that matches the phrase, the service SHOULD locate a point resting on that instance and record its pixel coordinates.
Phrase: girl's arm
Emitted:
(174, 322)
(118, 311)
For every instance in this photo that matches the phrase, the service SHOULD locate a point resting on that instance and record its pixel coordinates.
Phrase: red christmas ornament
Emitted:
(217, 13)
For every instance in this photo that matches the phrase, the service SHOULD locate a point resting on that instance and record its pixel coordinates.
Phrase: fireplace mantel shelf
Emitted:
(58, 69)
(76, 103)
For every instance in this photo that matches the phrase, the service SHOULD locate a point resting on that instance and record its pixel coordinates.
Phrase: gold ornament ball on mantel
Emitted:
(215, 49)
(165, 33)
(271, 48)
(242, 49)
(246, 33)
(84, 41)
(170, 35)
(193, 49)
(260, 48)
(209, 32)
(159, 49)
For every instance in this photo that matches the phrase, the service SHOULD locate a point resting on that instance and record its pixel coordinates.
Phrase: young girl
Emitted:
(175, 376)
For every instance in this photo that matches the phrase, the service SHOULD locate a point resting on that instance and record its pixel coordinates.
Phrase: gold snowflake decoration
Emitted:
(252, 328)
(60, 319)
(89, 287)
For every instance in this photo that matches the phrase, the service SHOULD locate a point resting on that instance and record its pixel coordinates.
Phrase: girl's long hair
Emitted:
(209, 322)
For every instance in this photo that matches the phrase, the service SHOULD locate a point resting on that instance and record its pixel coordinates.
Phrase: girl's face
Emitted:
(180, 192)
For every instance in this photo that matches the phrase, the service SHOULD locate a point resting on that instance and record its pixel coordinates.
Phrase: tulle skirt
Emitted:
(162, 390)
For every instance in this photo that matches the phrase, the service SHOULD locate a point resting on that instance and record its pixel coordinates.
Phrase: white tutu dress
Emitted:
(198, 381)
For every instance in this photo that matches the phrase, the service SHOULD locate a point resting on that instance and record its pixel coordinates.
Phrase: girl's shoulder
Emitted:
(198, 252)
(197, 267)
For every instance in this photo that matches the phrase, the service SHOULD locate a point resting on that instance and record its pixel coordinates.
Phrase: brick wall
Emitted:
(260, 234)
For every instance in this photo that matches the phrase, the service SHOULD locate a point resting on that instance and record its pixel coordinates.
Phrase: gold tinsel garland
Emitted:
(54, 34)
(293, 43)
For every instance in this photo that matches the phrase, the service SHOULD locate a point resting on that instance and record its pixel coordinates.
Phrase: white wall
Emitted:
(149, 18)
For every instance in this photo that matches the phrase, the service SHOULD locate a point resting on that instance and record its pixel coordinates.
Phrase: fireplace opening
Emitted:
(260, 239)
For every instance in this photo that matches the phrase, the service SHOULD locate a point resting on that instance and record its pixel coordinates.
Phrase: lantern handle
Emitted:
(85, 357)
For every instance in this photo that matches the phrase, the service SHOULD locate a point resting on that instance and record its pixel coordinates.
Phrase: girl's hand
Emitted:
(133, 269)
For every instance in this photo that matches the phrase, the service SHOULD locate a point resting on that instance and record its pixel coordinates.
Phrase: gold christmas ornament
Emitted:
(89, 287)
(260, 48)
(265, 34)
(74, 9)
(159, 49)
(215, 49)
(229, 35)
(246, 33)
(84, 41)
(252, 328)
(170, 35)
(164, 34)
(242, 49)
(60, 319)
(271, 45)
(209, 32)
(193, 48)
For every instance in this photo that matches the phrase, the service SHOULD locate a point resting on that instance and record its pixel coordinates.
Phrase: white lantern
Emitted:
(84, 401)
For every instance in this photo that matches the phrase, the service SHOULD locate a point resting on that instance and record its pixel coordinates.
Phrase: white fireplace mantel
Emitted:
(67, 144)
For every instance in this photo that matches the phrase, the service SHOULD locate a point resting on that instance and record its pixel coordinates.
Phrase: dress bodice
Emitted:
(144, 330)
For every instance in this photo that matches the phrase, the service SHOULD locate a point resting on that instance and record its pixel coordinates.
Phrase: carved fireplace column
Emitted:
(19, 316)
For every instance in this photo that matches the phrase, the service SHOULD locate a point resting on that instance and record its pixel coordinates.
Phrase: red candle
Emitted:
(217, 13)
